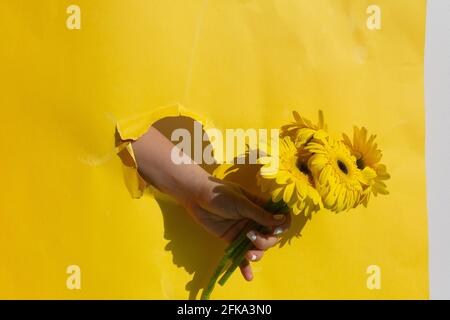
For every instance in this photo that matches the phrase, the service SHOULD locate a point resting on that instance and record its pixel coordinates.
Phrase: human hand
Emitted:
(226, 209)
(223, 208)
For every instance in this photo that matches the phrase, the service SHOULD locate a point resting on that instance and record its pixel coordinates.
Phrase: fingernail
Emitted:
(253, 258)
(251, 235)
(278, 230)
(279, 217)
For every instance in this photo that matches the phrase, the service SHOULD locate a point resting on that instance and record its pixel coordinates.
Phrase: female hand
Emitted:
(222, 208)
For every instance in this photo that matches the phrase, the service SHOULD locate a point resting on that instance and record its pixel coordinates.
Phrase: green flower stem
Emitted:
(220, 267)
(238, 241)
(236, 252)
(238, 249)
(230, 253)
(240, 256)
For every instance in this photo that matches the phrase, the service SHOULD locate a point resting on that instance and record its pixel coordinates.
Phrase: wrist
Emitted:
(195, 186)
(203, 192)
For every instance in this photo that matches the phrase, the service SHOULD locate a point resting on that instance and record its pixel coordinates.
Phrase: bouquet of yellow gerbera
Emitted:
(314, 171)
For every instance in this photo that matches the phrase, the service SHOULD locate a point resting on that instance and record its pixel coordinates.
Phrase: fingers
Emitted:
(250, 210)
(278, 230)
(232, 232)
(265, 241)
(246, 270)
(234, 202)
(262, 241)
(254, 255)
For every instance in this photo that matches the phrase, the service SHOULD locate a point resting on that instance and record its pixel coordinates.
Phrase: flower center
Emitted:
(342, 166)
(302, 166)
(360, 164)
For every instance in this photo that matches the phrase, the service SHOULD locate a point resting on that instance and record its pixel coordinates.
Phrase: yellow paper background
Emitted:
(243, 64)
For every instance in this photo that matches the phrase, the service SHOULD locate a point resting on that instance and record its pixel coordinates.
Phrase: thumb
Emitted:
(250, 210)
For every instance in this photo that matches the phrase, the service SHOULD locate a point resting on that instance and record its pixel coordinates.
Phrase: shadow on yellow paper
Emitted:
(241, 64)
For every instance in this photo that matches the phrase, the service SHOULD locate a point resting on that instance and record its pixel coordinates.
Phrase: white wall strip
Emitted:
(437, 102)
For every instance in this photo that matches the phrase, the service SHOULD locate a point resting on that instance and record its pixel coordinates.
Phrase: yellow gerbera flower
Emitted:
(368, 155)
(302, 130)
(336, 175)
(291, 182)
